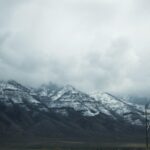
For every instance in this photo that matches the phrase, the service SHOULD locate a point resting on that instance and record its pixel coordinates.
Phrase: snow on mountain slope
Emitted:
(135, 101)
(130, 112)
(13, 93)
(12, 85)
(92, 105)
(69, 97)
(111, 102)
(60, 99)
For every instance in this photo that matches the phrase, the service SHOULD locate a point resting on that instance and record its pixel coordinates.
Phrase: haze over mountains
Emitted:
(55, 111)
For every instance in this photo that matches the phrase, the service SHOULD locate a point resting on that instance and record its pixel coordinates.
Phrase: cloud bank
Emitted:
(91, 44)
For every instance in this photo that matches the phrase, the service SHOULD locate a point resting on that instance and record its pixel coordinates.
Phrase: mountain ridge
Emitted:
(64, 111)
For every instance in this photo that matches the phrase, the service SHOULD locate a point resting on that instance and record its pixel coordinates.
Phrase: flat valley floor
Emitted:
(55, 144)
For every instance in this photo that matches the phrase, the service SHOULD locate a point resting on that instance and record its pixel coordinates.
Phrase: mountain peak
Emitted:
(69, 87)
(12, 85)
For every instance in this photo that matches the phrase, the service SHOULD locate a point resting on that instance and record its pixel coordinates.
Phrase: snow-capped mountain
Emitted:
(69, 97)
(94, 104)
(118, 107)
(13, 93)
(61, 98)
(60, 108)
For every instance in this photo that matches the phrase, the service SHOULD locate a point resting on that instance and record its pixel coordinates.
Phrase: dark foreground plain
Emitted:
(71, 144)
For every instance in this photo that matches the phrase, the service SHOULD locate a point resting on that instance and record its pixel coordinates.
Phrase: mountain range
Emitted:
(55, 111)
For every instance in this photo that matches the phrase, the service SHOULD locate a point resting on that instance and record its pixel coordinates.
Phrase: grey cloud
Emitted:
(91, 44)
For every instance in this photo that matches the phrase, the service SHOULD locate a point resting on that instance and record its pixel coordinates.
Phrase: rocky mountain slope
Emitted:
(55, 111)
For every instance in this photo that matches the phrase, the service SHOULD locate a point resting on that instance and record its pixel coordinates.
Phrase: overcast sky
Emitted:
(91, 44)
